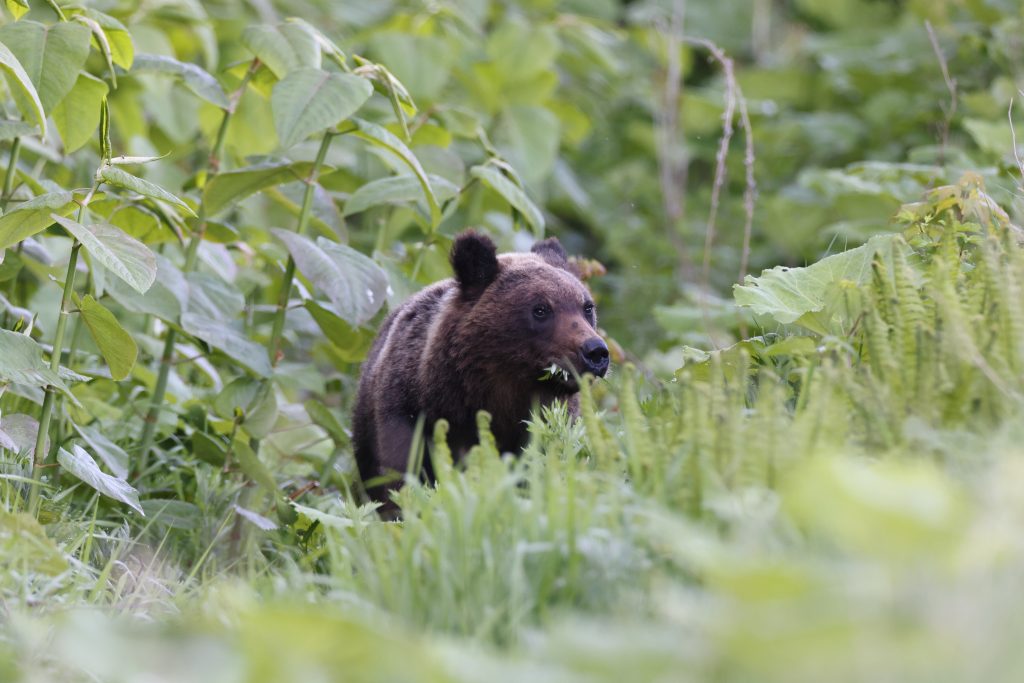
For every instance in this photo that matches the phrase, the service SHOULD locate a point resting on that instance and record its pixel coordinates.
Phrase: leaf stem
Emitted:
(289, 270)
(47, 409)
(12, 170)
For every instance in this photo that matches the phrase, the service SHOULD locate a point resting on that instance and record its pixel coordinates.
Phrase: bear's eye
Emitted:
(588, 309)
(541, 311)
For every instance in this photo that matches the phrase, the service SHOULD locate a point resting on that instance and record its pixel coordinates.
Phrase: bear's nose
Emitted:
(595, 356)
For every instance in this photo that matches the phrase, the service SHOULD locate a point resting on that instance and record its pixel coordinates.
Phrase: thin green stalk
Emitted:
(191, 257)
(289, 270)
(12, 170)
(51, 392)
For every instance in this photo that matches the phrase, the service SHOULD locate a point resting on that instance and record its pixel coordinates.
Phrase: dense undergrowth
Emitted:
(815, 475)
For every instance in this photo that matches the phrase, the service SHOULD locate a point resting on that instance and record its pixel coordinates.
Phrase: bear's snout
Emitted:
(595, 356)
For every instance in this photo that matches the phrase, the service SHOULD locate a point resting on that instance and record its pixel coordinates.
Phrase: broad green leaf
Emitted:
(10, 128)
(208, 449)
(256, 519)
(112, 455)
(213, 297)
(78, 114)
(309, 101)
(226, 339)
(814, 296)
(51, 55)
(122, 48)
(22, 88)
(512, 193)
(30, 217)
(397, 190)
(25, 547)
(195, 78)
(80, 464)
(423, 63)
(22, 430)
(166, 299)
(253, 467)
(382, 137)
(115, 176)
(325, 518)
(177, 514)
(528, 138)
(326, 44)
(351, 343)
(17, 8)
(326, 418)
(254, 399)
(124, 256)
(21, 362)
(231, 187)
(283, 48)
(356, 286)
(115, 344)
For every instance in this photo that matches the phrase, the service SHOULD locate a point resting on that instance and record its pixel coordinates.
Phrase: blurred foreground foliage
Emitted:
(812, 473)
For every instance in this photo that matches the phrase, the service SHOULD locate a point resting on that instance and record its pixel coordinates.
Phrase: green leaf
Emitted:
(325, 417)
(356, 286)
(309, 101)
(78, 114)
(115, 344)
(254, 399)
(165, 299)
(80, 464)
(381, 137)
(21, 362)
(195, 78)
(814, 297)
(115, 176)
(124, 256)
(119, 40)
(213, 297)
(283, 48)
(112, 455)
(512, 193)
(226, 339)
(256, 519)
(25, 547)
(22, 88)
(176, 514)
(231, 187)
(397, 190)
(325, 518)
(10, 128)
(17, 8)
(253, 466)
(351, 343)
(30, 217)
(421, 62)
(51, 55)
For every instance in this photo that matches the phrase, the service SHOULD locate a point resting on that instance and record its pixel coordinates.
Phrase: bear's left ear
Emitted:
(475, 261)
(552, 251)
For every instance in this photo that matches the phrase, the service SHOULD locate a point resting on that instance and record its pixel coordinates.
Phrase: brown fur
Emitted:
(474, 342)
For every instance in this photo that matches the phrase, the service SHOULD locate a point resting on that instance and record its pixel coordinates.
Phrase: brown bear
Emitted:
(508, 332)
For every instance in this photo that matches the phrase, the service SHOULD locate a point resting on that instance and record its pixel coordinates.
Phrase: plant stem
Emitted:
(191, 256)
(289, 270)
(12, 170)
(48, 400)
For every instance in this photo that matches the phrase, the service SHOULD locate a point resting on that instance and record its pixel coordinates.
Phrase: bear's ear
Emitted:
(475, 261)
(552, 251)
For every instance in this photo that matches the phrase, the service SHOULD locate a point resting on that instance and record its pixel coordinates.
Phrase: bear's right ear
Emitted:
(475, 261)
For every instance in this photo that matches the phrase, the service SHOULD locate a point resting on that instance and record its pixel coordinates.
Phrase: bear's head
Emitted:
(528, 316)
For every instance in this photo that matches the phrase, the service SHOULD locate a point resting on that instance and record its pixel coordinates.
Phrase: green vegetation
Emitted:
(810, 474)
